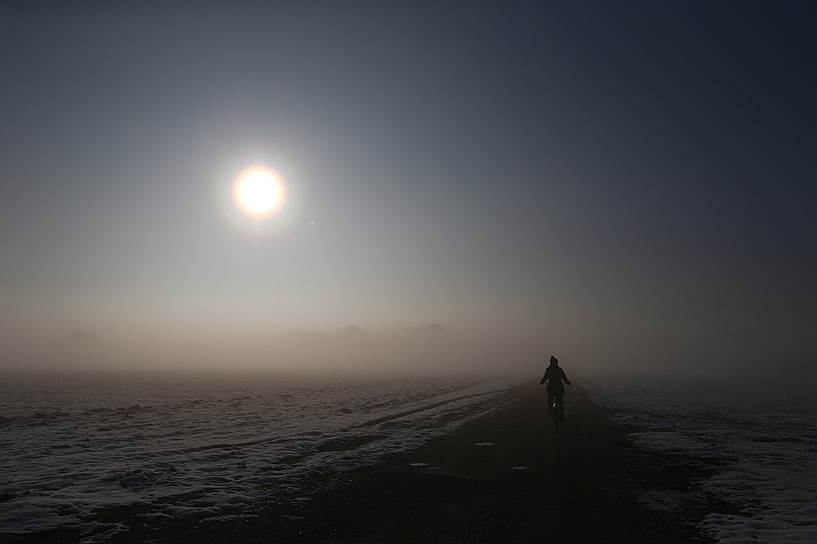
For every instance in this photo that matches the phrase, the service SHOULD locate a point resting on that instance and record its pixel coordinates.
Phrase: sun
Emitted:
(258, 191)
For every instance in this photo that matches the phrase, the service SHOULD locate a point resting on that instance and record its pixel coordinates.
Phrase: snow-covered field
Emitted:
(763, 444)
(199, 448)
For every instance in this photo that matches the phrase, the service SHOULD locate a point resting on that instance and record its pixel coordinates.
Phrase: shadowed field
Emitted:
(506, 477)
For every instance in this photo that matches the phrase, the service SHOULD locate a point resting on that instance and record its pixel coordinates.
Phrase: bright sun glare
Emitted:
(258, 191)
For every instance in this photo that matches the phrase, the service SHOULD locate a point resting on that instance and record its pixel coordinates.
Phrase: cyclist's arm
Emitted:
(543, 379)
(564, 377)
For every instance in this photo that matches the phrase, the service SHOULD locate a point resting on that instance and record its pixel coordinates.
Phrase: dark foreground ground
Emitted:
(585, 484)
(581, 485)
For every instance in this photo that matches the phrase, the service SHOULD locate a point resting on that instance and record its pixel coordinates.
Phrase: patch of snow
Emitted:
(200, 449)
(764, 453)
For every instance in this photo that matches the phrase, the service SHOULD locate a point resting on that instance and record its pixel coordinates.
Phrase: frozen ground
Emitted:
(763, 444)
(196, 448)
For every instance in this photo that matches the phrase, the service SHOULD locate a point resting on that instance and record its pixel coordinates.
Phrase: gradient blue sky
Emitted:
(611, 171)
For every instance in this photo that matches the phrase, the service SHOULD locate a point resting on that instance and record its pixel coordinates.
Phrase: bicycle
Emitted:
(556, 412)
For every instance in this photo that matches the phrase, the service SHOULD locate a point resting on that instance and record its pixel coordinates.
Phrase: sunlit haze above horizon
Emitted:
(623, 184)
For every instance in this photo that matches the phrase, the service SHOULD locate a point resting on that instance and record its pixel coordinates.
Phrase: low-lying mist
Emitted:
(424, 350)
(351, 351)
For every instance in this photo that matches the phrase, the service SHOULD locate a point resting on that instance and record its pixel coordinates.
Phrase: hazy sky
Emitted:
(617, 174)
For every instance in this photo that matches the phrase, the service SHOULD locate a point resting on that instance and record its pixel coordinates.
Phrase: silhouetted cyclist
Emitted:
(554, 376)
